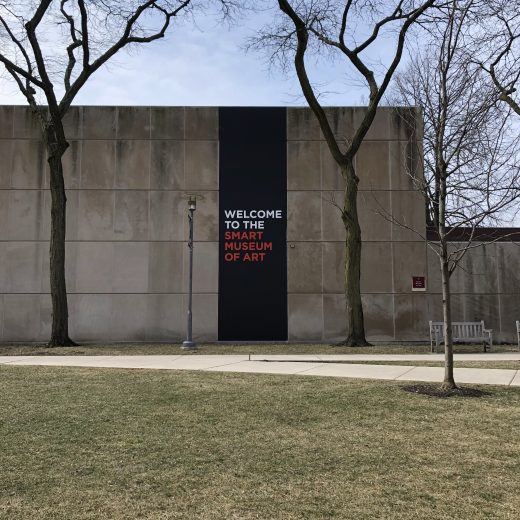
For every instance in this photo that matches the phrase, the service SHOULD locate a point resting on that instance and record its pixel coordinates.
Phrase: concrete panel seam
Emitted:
(321, 165)
(79, 138)
(116, 133)
(390, 171)
(300, 372)
(361, 190)
(149, 207)
(114, 200)
(322, 293)
(12, 124)
(202, 241)
(2, 313)
(513, 378)
(184, 154)
(392, 250)
(149, 158)
(213, 190)
(224, 364)
(80, 173)
(477, 294)
(45, 258)
(499, 292)
(322, 140)
(204, 293)
(404, 373)
(150, 127)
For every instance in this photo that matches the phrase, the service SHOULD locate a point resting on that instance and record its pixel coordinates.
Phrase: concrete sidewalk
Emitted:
(488, 356)
(293, 365)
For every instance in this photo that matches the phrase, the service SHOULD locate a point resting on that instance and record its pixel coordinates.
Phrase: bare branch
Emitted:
(471, 153)
(128, 37)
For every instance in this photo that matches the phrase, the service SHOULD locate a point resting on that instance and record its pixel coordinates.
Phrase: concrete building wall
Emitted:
(129, 172)
(486, 286)
(128, 175)
(391, 255)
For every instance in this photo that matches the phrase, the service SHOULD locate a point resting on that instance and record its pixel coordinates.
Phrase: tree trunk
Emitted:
(449, 380)
(60, 312)
(356, 336)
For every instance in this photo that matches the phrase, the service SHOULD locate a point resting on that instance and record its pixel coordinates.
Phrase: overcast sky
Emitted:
(203, 66)
(208, 66)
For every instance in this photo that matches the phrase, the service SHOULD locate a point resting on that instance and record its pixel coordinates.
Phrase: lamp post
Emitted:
(189, 344)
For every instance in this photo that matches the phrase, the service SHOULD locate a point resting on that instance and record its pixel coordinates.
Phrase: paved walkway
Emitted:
(308, 365)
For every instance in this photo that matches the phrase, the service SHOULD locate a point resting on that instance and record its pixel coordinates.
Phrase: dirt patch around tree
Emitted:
(437, 391)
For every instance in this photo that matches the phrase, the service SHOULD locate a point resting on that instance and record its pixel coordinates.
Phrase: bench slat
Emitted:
(463, 331)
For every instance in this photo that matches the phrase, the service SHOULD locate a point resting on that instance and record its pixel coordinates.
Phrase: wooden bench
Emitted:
(518, 333)
(463, 332)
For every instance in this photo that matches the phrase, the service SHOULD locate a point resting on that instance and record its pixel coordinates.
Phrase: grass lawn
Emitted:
(115, 444)
(115, 349)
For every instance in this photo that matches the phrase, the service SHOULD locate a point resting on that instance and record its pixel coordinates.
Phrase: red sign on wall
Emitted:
(418, 283)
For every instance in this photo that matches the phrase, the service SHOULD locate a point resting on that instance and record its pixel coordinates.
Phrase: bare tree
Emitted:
(470, 154)
(332, 28)
(51, 49)
(496, 47)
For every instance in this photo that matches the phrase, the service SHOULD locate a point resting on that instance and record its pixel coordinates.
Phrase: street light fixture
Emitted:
(189, 344)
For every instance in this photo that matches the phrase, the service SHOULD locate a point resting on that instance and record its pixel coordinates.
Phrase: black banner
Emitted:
(252, 303)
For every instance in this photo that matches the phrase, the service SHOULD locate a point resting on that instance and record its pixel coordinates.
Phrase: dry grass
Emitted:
(115, 444)
(114, 349)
